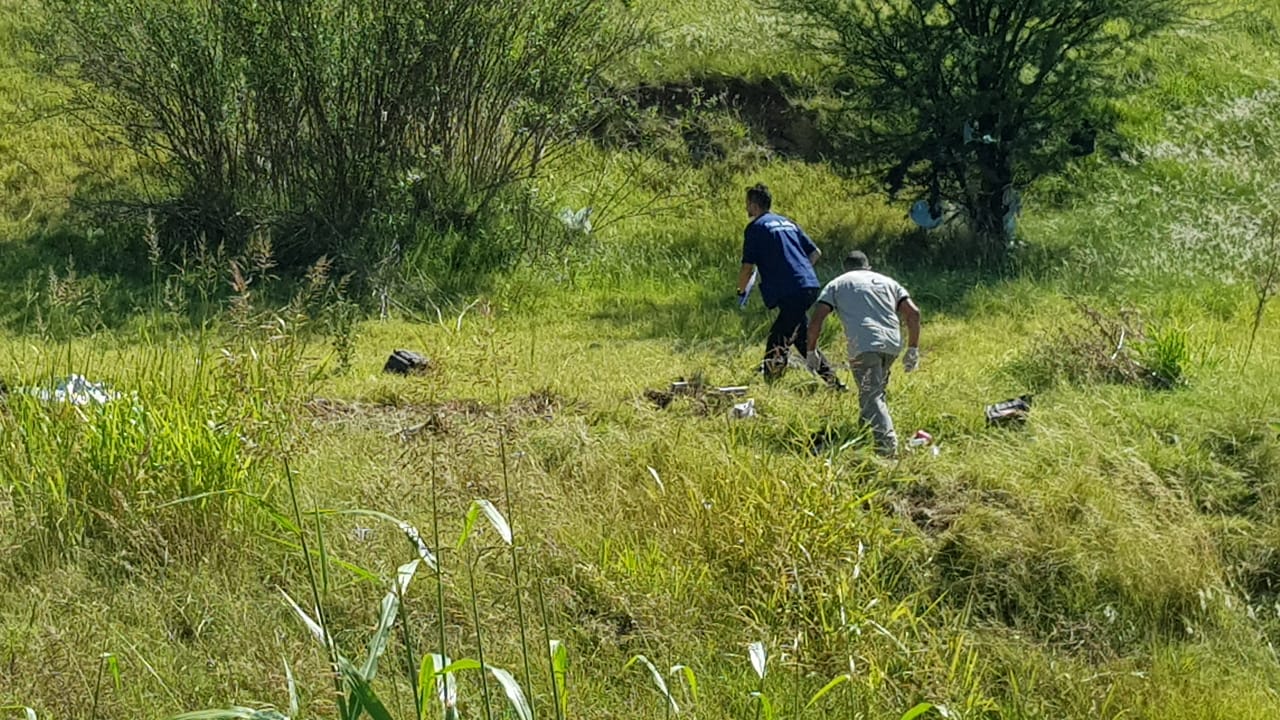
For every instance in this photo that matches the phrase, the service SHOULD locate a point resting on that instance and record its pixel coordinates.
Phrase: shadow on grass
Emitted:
(85, 278)
(83, 282)
(65, 282)
(708, 319)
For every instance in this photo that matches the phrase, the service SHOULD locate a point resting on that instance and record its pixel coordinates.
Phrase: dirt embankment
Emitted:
(770, 109)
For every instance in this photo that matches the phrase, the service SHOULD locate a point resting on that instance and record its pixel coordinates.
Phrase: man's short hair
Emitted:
(760, 196)
(857, 260)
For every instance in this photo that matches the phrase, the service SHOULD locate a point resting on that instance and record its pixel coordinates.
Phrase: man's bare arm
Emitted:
(815, 257)
(910, 314)
(744, 275)
(820, 313)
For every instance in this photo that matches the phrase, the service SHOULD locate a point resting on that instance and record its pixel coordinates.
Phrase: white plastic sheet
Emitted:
(76, 390)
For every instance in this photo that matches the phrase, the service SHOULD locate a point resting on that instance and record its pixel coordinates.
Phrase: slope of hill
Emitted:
(1117, 557)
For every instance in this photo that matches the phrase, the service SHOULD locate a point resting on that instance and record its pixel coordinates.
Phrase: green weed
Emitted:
(1115, 557)
(1166, 353)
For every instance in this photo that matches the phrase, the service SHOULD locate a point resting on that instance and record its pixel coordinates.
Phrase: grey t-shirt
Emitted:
(867, 303)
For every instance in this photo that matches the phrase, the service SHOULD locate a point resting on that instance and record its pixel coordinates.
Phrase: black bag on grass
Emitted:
(406, 362)
(1009, 412)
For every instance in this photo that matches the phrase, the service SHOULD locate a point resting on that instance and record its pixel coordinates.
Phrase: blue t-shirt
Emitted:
(780, 251)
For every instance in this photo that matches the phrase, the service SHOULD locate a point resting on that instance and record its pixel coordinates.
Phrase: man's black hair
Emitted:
(856, 260)
(760, 195)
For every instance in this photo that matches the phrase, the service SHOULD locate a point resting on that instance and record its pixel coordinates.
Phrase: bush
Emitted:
(306, 116)
(1097, 347)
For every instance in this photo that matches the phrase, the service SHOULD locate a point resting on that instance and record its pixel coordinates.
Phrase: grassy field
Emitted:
(1118, 558)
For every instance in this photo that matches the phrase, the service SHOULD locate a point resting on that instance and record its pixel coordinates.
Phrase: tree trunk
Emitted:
(995, 164)
(991, 206)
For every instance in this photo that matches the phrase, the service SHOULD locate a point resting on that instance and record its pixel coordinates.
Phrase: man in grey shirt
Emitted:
(872, 308)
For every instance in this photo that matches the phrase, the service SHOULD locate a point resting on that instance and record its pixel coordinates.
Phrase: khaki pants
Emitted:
(871, 373)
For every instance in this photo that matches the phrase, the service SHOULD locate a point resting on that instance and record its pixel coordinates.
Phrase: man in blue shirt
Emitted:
(784, 256)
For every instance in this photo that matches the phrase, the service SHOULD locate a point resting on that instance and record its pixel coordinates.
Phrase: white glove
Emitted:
(813, 360)
(911, 360)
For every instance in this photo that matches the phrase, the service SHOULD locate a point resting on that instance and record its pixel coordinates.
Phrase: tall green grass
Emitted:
(1117, 557)
(958, 580)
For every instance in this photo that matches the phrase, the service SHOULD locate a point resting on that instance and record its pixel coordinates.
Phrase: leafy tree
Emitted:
(969, 100)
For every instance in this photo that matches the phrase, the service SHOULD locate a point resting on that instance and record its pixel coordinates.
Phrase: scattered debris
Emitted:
(923, 439)
(76, 390)
(577, 220)
(741, 411)
(686, 387)
(920, 439)
(657, 479)
(406, 362)
(1009, 412)
(704, 397)
(659, 398)
(928, 214)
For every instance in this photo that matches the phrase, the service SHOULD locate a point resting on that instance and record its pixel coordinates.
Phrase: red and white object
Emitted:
(921, 439)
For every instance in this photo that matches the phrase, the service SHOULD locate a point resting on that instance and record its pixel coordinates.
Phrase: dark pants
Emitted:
(792, 328)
